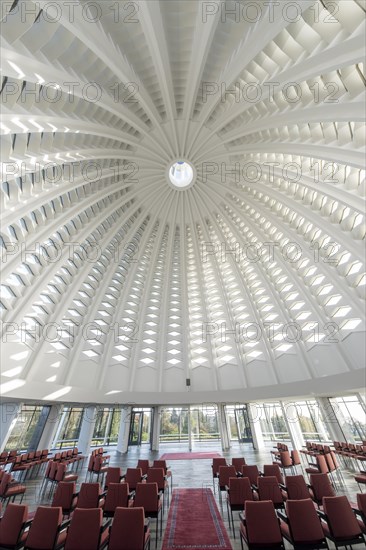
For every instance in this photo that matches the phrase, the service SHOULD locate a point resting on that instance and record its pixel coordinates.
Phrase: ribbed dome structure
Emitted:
(117, 285)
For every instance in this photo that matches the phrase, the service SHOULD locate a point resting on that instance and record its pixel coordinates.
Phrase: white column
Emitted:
(87, 429)
(51, 427)
(222, 422)
(329, 418)
(189, 429)
(254, 413)
(155, 428)
(8, 416)
(124, 430)
(293, 425)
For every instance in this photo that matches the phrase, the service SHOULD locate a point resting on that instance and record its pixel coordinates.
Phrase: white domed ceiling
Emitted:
(183, 197)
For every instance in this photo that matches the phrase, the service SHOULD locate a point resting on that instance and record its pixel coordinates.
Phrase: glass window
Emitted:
(273, 423)
(24, 427)
(174, 424)
(204, 423)
(351, 415)
(106, 426)
(311, 422)
(67, 434)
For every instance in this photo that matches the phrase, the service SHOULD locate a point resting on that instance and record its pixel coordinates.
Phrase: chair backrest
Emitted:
(160, 464)
(144, 465)
(117, 496)
(321, 486)
(113, 475)
(53, 470)
(225, 473)
(4, 483)
(304, 521)
(156, 475)
(127, 529)
(147, 497)
(322, 464)
(361, 502)
(240, 490)
(60, 472)
(297, 488)
(133, 476)
(64, 495)
(286, 459)
(329, 461)
(44, 528)
(334, 458)
(216, 463)
(84, 530)
(268, 489)
(273, 470)
(295, 455)
(11, 524)
(258, 514)
(98, 463)
(88, 496)
(342, 520)
(251, 471)
(91, 462)
(238, 463)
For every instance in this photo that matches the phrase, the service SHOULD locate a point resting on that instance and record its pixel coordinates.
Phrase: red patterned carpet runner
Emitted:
(194, 522)
(188, 456)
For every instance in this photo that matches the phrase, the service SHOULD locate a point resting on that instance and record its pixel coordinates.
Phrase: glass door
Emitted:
(140, 427)
(243, 425)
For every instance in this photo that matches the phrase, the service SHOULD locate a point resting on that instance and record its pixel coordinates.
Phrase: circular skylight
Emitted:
(181, 174)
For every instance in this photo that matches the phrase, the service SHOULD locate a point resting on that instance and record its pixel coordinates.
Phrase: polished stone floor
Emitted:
(186, 473)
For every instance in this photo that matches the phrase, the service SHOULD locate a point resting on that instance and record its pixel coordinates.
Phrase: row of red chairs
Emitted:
(352, 455)
(26, 463)
(302, 525)
(86, 530)
(270, 487)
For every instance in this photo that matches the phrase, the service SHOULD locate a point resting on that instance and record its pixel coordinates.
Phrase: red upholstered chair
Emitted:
(10, 489)
(340, 524)
(89, 496)
(117, 497)
(268, 489)
(238, 492)
(99, 467)
(129, 530)
(321, 466)
(285, 461)
(144, 465)
(157, 475)
(238, 463)
(86, 531)
(273, 470)
(62, 475)
(251, 471)
(216, 463)
(113, 475)
(133, 476)
(361, 480)
(12, 526)
(147, 496)
(89, 469)
(360, 511)
(301, 525)
(65, 497)
(46, 531)
(252, 531)
(162, 464)
(225, 473)
(296, 459)
(296, 488)
(320, 487)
